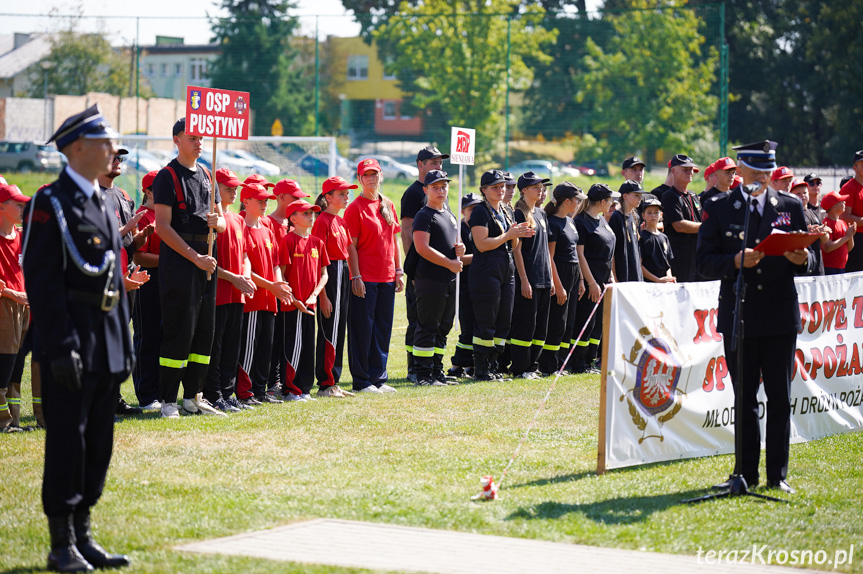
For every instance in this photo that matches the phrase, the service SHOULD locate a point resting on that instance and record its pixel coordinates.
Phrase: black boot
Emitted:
(481, 366)
(64, 556)
(494, 367)
(94, 553)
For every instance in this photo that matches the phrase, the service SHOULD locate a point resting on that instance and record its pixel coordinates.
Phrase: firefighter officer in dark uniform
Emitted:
(80, 315)
(770, 311)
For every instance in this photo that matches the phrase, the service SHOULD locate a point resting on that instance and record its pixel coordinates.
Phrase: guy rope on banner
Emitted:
(489, 488)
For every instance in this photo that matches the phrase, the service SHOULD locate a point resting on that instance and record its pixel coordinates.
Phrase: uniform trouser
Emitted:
(411, 312)
(330, 346)
(435, 316)
(492, 288)
(188, 304)
(9, 408)
(277, 355)
(594, 347)
(855, 256)
(35, 378)
(529, 329)
(568, 340)
(582, 325)
(299, 352)
(570, 276)
(255, 349)
(770, 358)
(78, 441)
(147, 338)
(370, 326)
(463, 356)
(225, 356)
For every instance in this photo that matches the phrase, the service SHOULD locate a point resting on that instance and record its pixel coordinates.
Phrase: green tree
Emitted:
(451, 61)
(260, 55)
(651, 85)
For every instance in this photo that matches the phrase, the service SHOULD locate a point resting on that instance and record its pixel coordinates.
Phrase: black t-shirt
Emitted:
(469, 249)
(627, 258)
(496, 224)
(124, 209)
(656, 254)
(678, 206)
(443, 232)
(413, 199)
(196, 190)
(814, 213)
(562, 232)
(598, 241)
(534, 250)
(660, 190)
(707, 194)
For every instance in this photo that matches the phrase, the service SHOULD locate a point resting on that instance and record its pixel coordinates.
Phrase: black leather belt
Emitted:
(105, 301)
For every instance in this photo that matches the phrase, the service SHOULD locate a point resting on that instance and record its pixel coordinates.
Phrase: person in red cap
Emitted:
(14, 305)
(303, 261)
(146, 311)
(333, 300)
(259, 311)
(376, 276)
(233, 287)
(286, 191)
(721, 178)
(841, 240)
(260, 180)
(852, 192)
(781, 179)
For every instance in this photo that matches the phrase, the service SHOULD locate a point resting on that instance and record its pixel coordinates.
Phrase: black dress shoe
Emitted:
(781, 485)
(64, 556)
(125, 410)
(89, 549)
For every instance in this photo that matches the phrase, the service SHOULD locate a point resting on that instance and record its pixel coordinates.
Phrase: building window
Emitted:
(389, 110)
(358, 67)
(164, 70)
(151, 69)
(198, 68)
(178, 70)
(389, 74)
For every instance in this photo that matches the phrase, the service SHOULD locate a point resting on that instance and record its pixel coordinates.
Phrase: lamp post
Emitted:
(46, 66)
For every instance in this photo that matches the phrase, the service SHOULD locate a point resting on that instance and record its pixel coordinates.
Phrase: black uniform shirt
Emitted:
(413, 199)
(123, 207)
(656, 254)
(660, 190)
(495, 222)
(469, 249)
(627, 258)
(534, 250)
(562, 232)
(707, 194)
(196, 190)
(678, 206)
(598, 241)
(442, 230)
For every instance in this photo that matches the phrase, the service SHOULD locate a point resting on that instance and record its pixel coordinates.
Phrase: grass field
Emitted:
(414, 458)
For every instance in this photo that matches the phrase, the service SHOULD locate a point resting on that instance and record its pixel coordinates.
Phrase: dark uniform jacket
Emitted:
(770, 306)
(57, 288)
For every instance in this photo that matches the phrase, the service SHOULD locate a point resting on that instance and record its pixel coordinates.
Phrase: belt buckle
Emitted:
(110, 298)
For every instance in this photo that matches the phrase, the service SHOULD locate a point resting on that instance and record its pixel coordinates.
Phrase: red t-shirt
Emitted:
(333, 231)
(838, 258)
(303, 258)
(230, 249)
(279, 229)
(10, 261)
(853, 194)
(153, 242)
(375, 238)
(263, 255)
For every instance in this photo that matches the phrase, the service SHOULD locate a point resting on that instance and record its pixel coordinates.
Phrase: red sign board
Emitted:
(212, 112)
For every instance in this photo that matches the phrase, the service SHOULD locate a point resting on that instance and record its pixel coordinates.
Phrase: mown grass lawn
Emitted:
(414, 458)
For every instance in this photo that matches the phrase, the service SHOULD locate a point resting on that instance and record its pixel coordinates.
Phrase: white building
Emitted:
(171, 65)
(18, 52)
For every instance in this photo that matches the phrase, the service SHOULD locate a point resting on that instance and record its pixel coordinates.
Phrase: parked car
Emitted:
(541, 167)
(26, 156)
(142, 161)
(593, 168)
(318, 167)
(393, 169)
(243, 157)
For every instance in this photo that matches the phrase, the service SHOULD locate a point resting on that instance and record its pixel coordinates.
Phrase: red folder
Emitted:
(779, 243)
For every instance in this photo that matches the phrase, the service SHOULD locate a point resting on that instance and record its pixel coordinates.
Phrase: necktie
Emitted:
(754, 219)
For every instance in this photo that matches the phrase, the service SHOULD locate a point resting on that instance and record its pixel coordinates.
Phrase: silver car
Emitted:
(393, 169)
(29, 156)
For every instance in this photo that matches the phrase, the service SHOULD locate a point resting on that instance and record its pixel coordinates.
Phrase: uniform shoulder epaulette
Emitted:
(787, 194)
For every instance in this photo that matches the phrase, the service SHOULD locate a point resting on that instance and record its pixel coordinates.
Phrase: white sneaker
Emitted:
(189, 407)
(307, 397)
(206, 408)
(290, 397)
(385, 388)
(370, 389)
(154, 406)
(170, 411)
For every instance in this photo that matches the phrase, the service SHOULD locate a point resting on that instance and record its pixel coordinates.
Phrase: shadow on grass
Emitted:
(618, 511)
(24, 570)
(554, 479)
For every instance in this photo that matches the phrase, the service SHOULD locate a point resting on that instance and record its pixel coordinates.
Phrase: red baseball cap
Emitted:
(781, 173)
(147, 180)
(368, 164)
(290, 187)
(9, 191)
(724, 163)
(797, 182)
(228, 177)
(334, 183)
(300, 205)
(2, 179)
(830, 200)
(259, 179)
(255, 191)
(709, 170)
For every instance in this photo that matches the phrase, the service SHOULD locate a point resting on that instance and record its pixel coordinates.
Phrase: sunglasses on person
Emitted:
(119, 158)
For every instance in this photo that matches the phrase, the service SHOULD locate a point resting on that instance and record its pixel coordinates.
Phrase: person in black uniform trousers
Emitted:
(492, 277)
(74, 281)
(624, 224)
(462, 359)
(681, 213)
(770, 310)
